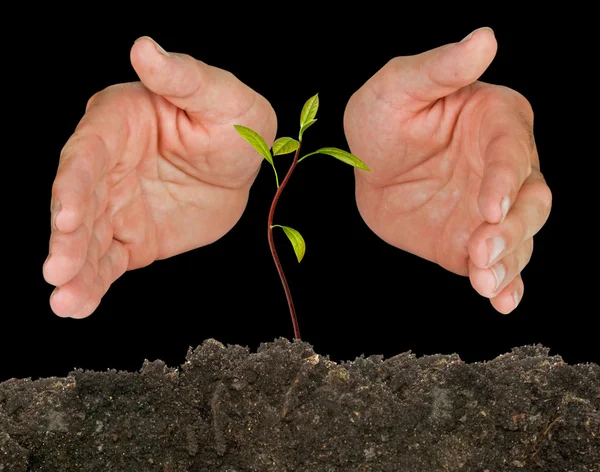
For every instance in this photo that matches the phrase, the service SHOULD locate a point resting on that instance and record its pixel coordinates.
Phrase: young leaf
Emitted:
(306, 125)
(256, 140)
(284, 146)
(309, 110)
(342, 155)
(296, 239)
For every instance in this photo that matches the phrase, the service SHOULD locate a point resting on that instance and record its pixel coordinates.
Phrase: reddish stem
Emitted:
(286, 287)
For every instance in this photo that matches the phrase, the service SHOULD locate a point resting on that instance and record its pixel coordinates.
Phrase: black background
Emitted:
(354, 294)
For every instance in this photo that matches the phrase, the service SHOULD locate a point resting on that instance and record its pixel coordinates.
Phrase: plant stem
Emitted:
(276, 177)
(286, 287)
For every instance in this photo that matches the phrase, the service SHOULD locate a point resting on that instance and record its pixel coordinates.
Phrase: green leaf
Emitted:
(342, 155)
(296, 239)
(284, 146)
(309, 110)
(306, 125)
(256, 140)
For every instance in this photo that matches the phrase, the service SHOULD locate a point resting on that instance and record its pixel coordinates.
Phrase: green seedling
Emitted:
(287, 145)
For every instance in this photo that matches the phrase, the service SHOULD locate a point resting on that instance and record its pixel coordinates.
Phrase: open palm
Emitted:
(155, 168)
(455, 172)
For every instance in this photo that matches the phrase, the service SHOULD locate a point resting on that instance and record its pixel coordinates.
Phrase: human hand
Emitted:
(455, 171)
(154, 168)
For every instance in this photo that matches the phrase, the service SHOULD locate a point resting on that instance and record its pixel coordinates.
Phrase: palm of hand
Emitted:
(456, 175)
(423, 196)
(180, 183)
(149, 175)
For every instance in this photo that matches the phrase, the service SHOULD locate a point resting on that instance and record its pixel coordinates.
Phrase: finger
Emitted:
(206, 93)
(68, 251)
(412, 83)
(69, 297)
(102, 197)
(507, 155)
(98, 143)
(509, 298)
(83, 163)
(101, 239)
(490, 282)
(491, 242)
(110, 267)
(135, 228)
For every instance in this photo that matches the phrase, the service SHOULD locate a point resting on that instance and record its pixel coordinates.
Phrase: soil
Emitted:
(286, 408)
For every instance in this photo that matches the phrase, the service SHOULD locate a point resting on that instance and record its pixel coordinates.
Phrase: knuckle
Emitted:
(524, 112)
(396, 65)
(512, 103)
(97, 97)
(523, 105)
(547, 197)
(68, 151)
(544, 197)
(395, 62)
(91, 101)
(79, 154)
(510, 97)
(109, 94)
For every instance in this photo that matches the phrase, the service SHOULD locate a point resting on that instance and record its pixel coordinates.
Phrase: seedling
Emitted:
(287, 145)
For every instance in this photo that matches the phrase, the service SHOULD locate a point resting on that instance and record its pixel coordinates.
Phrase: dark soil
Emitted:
(285, 408)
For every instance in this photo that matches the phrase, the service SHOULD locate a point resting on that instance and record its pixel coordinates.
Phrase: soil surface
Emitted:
(285, 408)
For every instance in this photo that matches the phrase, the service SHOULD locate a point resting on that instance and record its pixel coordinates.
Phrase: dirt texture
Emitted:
(286, 408)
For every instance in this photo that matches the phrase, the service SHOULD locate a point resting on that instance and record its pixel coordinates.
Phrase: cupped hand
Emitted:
(455, 171)
(154, 168)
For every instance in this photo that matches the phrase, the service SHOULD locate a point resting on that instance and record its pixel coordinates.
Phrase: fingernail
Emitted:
(499, 273)
(496, 246)
(504, 206)
(466, 38)
(515, 296)
(55, 211)
(159, 48)
(54, 292)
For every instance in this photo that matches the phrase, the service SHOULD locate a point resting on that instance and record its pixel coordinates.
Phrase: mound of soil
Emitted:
(286, 408)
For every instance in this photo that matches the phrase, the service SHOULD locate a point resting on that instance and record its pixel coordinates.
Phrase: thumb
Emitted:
(206, 93)
(413, 82)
